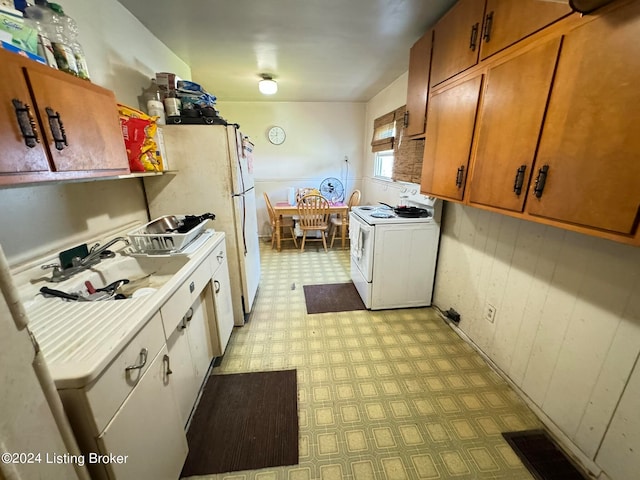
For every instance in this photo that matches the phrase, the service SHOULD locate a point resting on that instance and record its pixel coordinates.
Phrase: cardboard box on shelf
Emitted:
(24, 53)
(16, 32)
(167, 82)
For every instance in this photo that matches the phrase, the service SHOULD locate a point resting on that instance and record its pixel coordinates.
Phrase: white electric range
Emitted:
(393, 257)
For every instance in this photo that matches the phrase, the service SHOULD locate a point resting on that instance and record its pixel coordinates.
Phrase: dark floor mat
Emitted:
(244, 421)
(541, 456)
(332, 297)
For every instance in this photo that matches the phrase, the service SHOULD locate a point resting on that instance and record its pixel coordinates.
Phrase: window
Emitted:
(387, 130)
(383, 165)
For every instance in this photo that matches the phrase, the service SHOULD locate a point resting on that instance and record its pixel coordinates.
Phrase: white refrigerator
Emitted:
(211, 171)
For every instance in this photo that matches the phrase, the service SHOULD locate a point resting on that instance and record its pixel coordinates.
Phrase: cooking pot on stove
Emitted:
(408, 212)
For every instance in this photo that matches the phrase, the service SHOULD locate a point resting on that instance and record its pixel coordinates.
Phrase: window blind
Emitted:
(383, 132)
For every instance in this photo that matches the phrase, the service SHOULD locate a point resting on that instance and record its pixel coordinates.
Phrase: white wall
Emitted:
(567, 330)
(122, 55)
(318, 138)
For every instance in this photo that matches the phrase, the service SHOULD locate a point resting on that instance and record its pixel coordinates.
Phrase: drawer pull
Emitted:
(460, 176)
(57, 129)
(220, 257)
(143, 361)
(26, 122)
(540, 181)
(473, 41)
(488, 23)
(189, 315)
(216, 283)
(167, 362)
(192, 287)
(519, 181)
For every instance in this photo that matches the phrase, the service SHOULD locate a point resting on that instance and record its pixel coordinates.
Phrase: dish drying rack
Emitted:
(162, 243)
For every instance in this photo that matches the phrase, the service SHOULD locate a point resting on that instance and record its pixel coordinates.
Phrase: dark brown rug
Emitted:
(541, 456)
(243, 422)
(332, 297)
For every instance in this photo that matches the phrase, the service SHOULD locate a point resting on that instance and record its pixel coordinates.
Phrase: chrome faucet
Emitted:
(97, 250)
(78, 265)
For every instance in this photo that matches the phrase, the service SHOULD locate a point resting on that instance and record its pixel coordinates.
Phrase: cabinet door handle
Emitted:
(519, 181)
(57, 129)
(189, 315)
(192, 287)
(143, 361)
(488, 23)
(216, 284)
(405, 119)
(473, 41)
(220, 257)
(167, 362)
(183, 324)
(541, 179)
(26, 122)
(460, 176)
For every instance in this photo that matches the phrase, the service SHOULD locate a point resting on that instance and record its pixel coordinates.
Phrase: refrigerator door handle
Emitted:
(241, 194)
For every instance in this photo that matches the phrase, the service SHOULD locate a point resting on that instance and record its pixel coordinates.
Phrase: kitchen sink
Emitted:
(145, 275)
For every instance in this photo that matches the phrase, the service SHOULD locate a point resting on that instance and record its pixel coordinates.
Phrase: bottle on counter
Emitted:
(40, 17)
(62, 50)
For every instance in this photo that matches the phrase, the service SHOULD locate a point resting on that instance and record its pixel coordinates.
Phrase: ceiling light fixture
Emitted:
(267, 85)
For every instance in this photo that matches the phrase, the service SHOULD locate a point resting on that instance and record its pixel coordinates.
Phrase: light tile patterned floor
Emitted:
(390, 395)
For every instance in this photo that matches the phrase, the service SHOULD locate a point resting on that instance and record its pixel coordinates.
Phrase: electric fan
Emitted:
(332, 189)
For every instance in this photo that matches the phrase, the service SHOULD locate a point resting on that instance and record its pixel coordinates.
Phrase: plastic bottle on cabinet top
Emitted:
(40, 16)
(78, 51)
(152, 97)
(62, 50)
(172, 104)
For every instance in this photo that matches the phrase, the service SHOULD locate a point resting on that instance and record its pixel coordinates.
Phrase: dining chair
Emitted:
(336, 222)
(313, 211)
(285, 222)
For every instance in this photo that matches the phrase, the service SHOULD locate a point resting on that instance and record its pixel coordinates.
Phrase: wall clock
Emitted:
(276, 135)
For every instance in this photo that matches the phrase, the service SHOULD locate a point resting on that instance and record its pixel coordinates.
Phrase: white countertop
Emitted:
(80, 339)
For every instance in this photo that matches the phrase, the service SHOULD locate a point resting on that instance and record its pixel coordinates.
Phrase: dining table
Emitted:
(283, 209)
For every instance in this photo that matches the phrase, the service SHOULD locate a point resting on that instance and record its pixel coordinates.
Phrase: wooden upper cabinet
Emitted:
(418, 84)
(21, 147)
(590, 141)
(470, 32)
(81, 127)
(507, 21)
(510, 120)
(55, 126)
(450, 124)
(456, 40)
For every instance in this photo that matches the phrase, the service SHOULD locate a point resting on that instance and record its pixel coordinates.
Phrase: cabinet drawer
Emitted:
(112, 387)
(175, 308)
(218, 257)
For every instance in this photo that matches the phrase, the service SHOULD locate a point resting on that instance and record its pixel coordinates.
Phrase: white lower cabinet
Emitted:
(145, 438)
(135, 412)
(191, 353)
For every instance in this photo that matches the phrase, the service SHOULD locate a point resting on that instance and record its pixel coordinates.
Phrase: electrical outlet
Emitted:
(489, 312)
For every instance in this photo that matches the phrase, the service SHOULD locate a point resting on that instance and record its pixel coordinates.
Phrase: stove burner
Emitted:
(382, 215)
(367, 208)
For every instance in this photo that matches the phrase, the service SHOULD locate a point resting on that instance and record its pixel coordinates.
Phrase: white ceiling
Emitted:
(317, 50)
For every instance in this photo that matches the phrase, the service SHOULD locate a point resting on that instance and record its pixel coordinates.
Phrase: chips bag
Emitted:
(139, 131)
